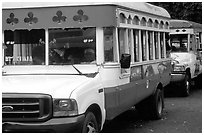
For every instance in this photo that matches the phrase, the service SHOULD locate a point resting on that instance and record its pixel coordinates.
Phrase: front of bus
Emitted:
(51, 67)
(38, 81)
(185, 44)
(180, 56)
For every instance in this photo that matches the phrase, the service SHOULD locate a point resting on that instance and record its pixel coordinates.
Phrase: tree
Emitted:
(191, 11)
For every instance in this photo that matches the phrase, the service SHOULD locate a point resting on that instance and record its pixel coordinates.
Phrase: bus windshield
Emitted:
(65, 47)
(179, 42)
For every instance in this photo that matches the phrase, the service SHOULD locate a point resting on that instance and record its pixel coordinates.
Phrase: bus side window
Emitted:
(162, 44)
(150, 42)
(121, 40)
(168, 46)
(156, 43)
(143, 40)
(136, 45)
(108, 45)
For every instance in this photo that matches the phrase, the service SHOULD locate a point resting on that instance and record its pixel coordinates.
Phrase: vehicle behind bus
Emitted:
(185, 38)
(72, 67)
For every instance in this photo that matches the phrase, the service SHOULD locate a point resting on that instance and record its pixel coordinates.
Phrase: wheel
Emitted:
(157, 104)
(90, 124)
(186, 86)
(152, 107)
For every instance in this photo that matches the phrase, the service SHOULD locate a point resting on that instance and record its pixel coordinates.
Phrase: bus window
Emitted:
(23, 47)
(143, 40)
(162, 44)
(156, 45)
(72, 46)
(109, 45)
(136, 45)
(150, 42)
(121, 40)
(122, 18)
(179, 43)
(168, 47)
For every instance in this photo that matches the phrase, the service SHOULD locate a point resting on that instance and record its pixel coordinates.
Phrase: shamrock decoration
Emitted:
(80, 17)
(12, 19)
(59, 18)
(31, 19)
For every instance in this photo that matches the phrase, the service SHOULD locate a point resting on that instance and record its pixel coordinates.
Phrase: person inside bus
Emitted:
(89, 56)
(69, 59)
(38, 55)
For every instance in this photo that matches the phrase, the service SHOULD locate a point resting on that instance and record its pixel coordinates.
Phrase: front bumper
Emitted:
(177, 76)
(58, 125)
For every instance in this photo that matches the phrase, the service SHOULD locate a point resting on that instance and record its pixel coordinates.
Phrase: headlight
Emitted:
(64, 107)
(179, 68)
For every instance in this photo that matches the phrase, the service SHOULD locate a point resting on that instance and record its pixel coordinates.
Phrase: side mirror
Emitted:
(125, 61)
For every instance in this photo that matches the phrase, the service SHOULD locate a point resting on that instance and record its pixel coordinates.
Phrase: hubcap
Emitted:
(187, 86)
(159, 105)
(91, 128)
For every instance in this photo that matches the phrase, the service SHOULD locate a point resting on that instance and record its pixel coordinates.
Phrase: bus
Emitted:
(72, 67)
(186, 53)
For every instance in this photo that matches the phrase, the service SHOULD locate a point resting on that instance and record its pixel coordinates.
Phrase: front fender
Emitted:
(90, 93)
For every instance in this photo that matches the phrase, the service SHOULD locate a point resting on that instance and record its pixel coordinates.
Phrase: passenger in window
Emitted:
(71, 56)
(38, 55)
(89, 56)
(70, 59)
(54, 57)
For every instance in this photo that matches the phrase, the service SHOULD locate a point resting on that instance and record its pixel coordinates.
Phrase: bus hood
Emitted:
(181, 58)
(58, 86)
(57, 81)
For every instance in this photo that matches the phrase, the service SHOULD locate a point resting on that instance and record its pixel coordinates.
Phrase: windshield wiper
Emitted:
(80, 73)
(91, 75)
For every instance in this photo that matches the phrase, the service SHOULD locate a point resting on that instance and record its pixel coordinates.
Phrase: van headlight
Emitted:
(64, 107)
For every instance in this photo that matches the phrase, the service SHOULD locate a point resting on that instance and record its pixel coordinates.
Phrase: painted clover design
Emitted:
(80, 17)
(31, 19)
(59, 18)
(12, 20)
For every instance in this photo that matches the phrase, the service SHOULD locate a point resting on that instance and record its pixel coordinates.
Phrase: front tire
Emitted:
(186, 85)
(90, 124)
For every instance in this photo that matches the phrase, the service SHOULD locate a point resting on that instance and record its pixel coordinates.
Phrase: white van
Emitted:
(71, 67)
(185, 38)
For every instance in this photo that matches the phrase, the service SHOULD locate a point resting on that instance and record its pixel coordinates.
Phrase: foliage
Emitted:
(191, 11)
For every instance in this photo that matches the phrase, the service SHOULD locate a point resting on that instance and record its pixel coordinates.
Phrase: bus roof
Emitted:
(139, 6)
(177, 24)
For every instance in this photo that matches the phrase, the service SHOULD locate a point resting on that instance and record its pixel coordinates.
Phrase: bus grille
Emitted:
(26, 107)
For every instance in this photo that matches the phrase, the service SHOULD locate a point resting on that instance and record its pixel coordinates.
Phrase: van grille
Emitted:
(26, 107)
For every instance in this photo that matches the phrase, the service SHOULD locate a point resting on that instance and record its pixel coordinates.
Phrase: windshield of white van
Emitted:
(66, 46)
(179, 42)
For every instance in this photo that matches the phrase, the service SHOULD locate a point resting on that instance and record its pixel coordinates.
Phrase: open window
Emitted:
(24, 47)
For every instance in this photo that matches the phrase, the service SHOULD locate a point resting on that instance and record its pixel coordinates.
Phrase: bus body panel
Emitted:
(143, 82)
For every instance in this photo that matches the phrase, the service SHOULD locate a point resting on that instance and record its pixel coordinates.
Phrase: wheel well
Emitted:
(159, 86)
(188, 71)
(95, 109)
